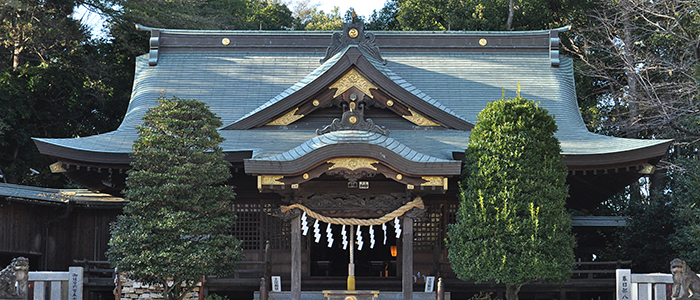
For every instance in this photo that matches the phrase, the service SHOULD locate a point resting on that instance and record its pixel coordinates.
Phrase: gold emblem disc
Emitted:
(353, 33)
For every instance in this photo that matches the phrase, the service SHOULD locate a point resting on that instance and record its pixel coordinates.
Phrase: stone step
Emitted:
(318, 295)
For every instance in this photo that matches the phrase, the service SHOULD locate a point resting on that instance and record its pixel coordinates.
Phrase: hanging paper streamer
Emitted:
(344, 233)
(329, 234)
(384, 228)
(397, 227)
(317, 232)
(359, 238)
(371, 237)
(304, 225)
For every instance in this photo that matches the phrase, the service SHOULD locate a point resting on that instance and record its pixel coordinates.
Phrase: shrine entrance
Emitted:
(332, 223)
(379, 261)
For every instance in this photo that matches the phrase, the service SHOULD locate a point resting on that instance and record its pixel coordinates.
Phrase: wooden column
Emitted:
(407, 258)
(296, 258)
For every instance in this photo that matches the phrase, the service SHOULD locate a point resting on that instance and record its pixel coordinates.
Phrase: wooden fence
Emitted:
(57, 285)
(642, 286)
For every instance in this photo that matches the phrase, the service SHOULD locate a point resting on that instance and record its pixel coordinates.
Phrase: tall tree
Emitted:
(686, 192)
(646, 239)
(51, 85)
(271, 15)
(385, 18)
(175, 228)
(638, 62)
(484, 14)
(320, 20)
(511, 224)
(187, 14)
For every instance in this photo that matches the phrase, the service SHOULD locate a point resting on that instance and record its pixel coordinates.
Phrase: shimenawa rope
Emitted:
(418, 202)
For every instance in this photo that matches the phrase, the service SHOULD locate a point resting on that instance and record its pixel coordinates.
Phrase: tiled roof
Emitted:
(238, 83)
(350, 137)
(57, 196)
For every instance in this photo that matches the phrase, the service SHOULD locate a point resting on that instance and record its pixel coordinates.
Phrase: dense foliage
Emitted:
(52, 84)
(176, 226)
(511, 225)
(662, 225)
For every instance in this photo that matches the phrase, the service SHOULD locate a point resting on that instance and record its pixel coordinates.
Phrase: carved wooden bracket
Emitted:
(353, 34)
(353, 169)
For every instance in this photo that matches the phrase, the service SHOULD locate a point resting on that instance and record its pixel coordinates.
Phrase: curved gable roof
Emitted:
(453, 75)
(357, 144)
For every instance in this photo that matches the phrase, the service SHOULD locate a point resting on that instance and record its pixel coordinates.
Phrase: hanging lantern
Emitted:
(394, 251)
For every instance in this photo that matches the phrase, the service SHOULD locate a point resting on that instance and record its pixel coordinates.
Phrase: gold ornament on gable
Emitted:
(353, 79)
(287, 119)
(419, 120)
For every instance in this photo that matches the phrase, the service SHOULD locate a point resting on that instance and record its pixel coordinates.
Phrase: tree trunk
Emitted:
(16, 52)
(512, 291)
(511, 12)
(630, 73)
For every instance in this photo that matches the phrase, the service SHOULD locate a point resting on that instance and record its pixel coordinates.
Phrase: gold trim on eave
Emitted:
(353, 79)
(352, 163)
(435, 181)
(647, 169)
(419, 120)
(287, 119)
(264, 180)
(57, 167)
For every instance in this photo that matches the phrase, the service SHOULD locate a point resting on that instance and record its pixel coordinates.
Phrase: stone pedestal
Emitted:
(350, 295)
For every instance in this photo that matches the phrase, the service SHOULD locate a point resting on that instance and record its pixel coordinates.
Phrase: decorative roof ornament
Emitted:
(353, 34)
(353, 119)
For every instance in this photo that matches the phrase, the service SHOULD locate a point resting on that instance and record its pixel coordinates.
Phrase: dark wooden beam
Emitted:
(296, 258)
(407, 258)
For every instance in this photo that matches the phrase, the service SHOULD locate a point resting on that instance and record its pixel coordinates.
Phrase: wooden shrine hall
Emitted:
(363, 129)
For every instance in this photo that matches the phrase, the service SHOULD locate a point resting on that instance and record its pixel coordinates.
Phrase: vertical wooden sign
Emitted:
(75, 283)
(623, 284)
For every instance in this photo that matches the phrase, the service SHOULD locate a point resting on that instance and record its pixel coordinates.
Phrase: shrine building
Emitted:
(359, 125)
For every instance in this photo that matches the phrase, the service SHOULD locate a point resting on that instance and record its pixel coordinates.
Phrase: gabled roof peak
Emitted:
(353, 34)
(326, 82)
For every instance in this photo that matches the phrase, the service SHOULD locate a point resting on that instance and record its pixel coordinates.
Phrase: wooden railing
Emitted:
(98, 273)
(598, 269)
(60, 285)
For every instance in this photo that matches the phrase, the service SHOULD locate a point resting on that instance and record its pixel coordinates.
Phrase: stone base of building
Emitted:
(128, 289)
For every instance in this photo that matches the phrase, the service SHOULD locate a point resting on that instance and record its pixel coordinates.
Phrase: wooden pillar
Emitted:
(407, 259)
(296, 258)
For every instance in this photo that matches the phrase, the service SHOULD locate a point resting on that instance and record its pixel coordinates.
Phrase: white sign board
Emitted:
(276, 284)
(623, 284)
(429, 284)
